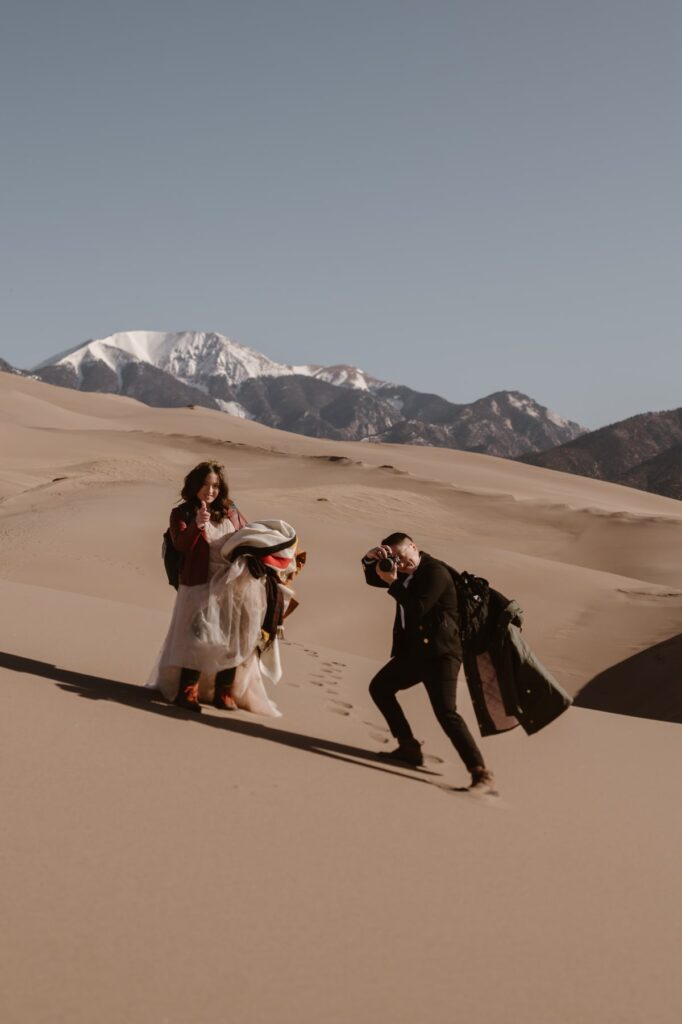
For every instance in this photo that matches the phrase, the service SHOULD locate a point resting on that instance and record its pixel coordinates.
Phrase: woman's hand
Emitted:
(203, 516)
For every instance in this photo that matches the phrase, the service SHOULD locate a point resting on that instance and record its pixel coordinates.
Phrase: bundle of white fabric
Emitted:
(230, 627)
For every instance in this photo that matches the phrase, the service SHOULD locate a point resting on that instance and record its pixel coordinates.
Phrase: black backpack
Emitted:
(172, 558)
(478, 606)
(473, 599)
(473, 606)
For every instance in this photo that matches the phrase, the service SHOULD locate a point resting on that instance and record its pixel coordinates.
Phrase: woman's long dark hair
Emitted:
(194, 481)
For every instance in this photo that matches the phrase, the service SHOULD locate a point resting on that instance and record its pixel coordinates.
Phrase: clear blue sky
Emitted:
(459, 196)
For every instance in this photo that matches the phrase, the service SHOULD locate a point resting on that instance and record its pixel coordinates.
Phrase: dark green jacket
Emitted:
(509, 686)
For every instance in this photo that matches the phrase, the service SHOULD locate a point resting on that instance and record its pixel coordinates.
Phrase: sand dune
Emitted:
(158, 868)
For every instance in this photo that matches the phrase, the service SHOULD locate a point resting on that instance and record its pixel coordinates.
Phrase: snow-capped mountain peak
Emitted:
(187, 355)
(195, 356)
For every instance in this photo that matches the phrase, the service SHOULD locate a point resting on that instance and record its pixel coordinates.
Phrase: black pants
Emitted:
(439, 676)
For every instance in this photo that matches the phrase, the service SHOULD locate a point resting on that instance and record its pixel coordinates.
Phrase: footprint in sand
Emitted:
(342, 704)
(378, 737)
(339, 711)
(377, 728)
(433, 759)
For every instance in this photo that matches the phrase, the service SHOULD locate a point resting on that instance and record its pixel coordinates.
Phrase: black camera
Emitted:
(386, 564)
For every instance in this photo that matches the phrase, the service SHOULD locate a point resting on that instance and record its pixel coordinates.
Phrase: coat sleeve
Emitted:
(422, 594)
(183, 534)
(371, 578)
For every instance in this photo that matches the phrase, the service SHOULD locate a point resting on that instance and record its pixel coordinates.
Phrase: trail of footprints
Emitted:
(329, 677)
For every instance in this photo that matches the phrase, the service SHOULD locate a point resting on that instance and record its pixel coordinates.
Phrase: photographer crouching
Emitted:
(426, 649)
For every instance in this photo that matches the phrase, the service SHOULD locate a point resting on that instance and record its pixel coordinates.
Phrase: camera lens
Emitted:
(386, 564)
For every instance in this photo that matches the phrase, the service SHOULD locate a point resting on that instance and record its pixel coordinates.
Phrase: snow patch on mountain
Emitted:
(558, 420)
(524, 404)
(531, 408)
(395, 403)
(234, 409)
(342, 376)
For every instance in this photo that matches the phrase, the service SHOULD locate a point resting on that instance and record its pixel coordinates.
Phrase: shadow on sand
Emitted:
(97, 688)
(648, 685)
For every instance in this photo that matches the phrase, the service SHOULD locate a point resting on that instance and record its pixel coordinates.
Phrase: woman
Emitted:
(198, 528)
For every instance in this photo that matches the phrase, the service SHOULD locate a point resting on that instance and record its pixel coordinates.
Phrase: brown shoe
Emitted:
(188, 698)
(408, 751)
(224, 700)
(222, 697)
(483, 782)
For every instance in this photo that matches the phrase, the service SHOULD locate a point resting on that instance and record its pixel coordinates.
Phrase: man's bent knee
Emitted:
(375, 689)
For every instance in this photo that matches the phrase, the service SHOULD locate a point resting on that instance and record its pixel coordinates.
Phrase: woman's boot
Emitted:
(223, 698)
(188, 694)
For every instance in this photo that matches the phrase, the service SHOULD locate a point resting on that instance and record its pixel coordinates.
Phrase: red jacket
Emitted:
(189, 539)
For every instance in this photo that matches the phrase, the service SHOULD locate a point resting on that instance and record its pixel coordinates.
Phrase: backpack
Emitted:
(473, 598)
(479, 606)
(172, 558)
(473, 605)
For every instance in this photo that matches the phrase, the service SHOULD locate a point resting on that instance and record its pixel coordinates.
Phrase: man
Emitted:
(426, 649)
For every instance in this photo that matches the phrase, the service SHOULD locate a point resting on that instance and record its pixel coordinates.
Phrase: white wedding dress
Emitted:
(217, 625)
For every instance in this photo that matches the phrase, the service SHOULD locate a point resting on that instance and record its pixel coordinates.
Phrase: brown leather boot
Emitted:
(188, 694)
(223, 698)
(408, 751)
(483, 782)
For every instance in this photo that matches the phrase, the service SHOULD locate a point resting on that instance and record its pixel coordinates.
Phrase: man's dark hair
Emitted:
(395, 538)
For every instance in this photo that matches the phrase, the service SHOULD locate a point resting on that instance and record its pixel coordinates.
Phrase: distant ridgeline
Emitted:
(643, 451)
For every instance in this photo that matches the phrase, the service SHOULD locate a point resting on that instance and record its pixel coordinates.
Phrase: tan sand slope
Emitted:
(161, 868)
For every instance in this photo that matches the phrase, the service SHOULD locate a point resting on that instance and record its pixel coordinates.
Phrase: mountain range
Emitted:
(344, 403)
(339, 402)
